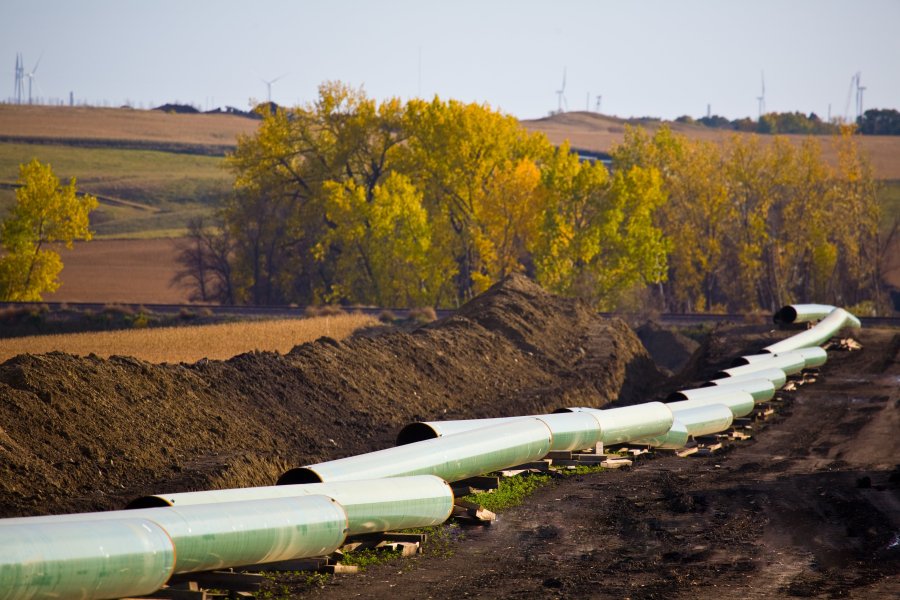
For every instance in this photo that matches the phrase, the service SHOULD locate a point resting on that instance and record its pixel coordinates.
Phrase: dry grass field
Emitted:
(125, 271)
(190, 344)
(53, 122)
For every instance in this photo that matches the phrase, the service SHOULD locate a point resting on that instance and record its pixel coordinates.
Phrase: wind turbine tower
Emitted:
(20, 76)
(561, 95)
(859, 96)
(762, 98)
(269, 87)
(30, 76)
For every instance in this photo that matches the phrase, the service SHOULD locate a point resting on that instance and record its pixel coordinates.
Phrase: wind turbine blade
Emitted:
(34, 70)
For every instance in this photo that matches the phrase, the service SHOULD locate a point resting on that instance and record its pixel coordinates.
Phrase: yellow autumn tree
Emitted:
(45, 212)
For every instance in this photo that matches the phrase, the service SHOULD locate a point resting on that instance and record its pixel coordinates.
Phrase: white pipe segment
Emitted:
(628, 423)
(704, 420)
(773, 374)
(740, 403)
(760, 389)
(813, 356)
(817, 335)
(790, 363)
(802, 313)
(570, 432)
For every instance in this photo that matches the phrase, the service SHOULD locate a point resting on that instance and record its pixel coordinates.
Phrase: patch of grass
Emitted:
(369, 557)
(512, 491)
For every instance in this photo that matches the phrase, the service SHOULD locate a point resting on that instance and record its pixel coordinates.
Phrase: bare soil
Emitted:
(90, 433)
(809, 507)
(127, 271)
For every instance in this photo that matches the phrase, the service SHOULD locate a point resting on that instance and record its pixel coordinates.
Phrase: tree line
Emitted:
(430, 202)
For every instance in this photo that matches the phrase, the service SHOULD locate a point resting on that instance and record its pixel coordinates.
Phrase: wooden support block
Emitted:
(404, 548)
(713, 447)
(566, 463)
(616, 463)
(687, 451)
(740, 435)
(513, 472)
(340, 569)
(472, 512)
(300, 564)
(590, 459)
(539, 465)
(224, 580)
(561, 455)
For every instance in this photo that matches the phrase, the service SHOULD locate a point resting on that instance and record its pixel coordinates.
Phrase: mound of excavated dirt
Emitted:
(669, 348)
(88, 434)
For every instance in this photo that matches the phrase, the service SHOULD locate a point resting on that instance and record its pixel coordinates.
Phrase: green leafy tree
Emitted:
(45, 212)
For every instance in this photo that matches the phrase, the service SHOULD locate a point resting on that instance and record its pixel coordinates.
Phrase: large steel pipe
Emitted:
(775, 375)
(102, 559)
(813, 356)
(571, 431)
(691, 422)
(760, 389)
(628, 423)
(801, 313)
(372, 505)
(740, 403)
(451, 458)
(229, 534)
(789, 362)
(819, 334)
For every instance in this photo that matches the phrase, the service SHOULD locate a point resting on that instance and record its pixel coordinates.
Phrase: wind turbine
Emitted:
(762, 99)
(599, 102)
(30, 76)
(269, 86)
(20, 76)
(561, 95)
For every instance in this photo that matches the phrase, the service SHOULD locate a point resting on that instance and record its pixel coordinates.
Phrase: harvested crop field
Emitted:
(126, 271)
(789, 512)
(191, 343)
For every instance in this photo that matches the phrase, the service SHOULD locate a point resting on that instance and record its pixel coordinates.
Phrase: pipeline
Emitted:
(135, 551)
(372, 505)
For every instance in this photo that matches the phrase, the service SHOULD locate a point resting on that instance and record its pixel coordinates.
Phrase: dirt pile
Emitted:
(88, 434)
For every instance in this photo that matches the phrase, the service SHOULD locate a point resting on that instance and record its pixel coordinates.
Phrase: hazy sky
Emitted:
(645, 57)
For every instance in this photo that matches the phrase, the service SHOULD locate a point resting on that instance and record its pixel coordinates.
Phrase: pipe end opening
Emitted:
(147, 502)
(299, 475)
(416, 432)
(785, 315)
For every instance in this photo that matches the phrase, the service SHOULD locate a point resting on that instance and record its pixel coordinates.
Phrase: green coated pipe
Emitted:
(571, 431)
(775, 375)
(690, 422)
(103, 559)
(802, 313)
(819, 334)
(789, 362)
(676, 438)
(451, 458)
(760, 389)
(372, 505)
(740, 403)
(704, 420)
(230, 534)
(813, 356)
(628, 423)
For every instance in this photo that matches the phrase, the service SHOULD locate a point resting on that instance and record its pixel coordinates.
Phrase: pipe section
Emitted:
(102, 559)
(740, 403)
(813, 356)
(801, 313)
(775, 375)
(451, 458)
(372, 505)
(229, 534)
(676, 438)
(760, 389)
(704, 420)
(571, 431)
(819, 334)
(628, 423)
(789, 362)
